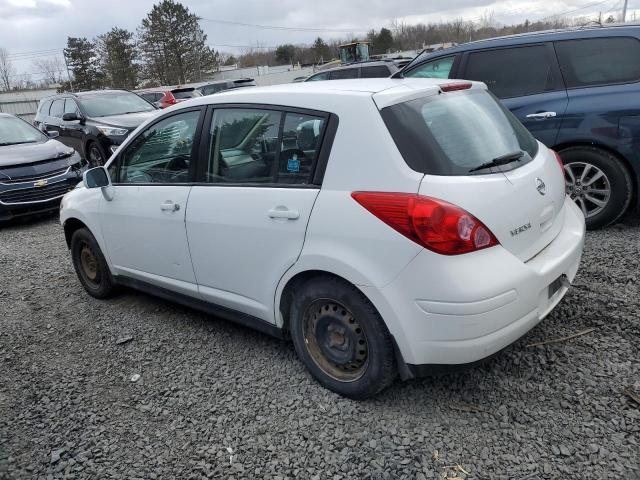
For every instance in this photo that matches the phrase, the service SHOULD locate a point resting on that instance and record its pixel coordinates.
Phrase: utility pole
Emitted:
(624, 11)
(68, 73)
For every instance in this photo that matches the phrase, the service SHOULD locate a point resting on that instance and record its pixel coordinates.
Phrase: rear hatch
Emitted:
(475, 154)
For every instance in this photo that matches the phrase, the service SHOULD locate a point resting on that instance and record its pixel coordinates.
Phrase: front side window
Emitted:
(599, 61)
(438, 68)
(113, 103)
(455, 133)
(512, 72)
(57, 108)
(162, 153)
(70, 106)
(254, 146)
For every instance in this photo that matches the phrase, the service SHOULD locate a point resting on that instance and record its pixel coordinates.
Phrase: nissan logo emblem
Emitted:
(540, 186)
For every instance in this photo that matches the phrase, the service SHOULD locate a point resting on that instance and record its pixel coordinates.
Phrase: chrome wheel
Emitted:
(335, 340)
(588, 186)
(89, 263)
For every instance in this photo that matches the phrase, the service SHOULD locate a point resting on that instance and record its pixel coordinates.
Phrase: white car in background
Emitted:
(384, 225)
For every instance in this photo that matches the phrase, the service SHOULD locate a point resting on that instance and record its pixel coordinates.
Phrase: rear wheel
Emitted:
(341, 338)
(90, 264)
(95, 157)
(599, 184)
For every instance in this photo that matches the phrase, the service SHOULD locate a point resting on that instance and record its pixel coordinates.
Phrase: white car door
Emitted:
(143, 225)
(246, 221)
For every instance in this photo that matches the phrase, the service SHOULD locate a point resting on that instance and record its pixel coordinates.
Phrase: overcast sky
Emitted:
(37, 25)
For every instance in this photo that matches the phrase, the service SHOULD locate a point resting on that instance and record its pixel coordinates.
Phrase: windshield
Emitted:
(117, 103)
(454, 133)
(14, 131)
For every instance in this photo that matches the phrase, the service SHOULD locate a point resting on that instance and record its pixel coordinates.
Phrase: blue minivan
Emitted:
(578, 92)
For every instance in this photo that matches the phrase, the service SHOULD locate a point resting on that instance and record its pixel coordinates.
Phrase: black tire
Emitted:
(95, 155)
(621, 185)
(361, 376)
(90, 265)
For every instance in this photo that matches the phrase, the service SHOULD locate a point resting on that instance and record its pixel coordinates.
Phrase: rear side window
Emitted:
(438, 68)
(344, 73)
(512, 72)
(149, 97)
(453, 133)
(378, 71)
(255, 146)
(320, 76)
(57, 108)
(599, 61)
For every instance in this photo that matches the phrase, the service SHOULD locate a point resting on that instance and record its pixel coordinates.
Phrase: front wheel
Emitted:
(90, 264)
(599, 184)
(341, 338)
(95, 157)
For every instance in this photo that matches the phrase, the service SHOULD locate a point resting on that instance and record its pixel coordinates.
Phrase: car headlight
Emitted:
(112, 131)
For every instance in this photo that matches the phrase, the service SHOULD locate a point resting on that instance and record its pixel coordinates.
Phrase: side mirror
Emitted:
(52, 133)
(70, 117)
(98, 177)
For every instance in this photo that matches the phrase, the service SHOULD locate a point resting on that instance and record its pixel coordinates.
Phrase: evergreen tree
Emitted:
(82, 60)
(285, 53)
(118, 55)
(173, 46)
(321, 50)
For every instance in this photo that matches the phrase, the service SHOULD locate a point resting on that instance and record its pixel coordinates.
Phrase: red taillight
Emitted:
(432, 223)
(455, 86)
(167, 100)
(559, 160)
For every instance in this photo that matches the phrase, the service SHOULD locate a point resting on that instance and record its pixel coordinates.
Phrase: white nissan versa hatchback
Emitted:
(384, 225)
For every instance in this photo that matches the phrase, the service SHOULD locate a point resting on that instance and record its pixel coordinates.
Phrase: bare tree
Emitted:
(52, 69)
(7, 70)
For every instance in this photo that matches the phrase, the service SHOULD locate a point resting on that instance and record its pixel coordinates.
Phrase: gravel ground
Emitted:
(220, 401)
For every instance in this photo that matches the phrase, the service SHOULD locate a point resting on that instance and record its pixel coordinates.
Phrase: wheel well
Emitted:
(70, 227)
(294, 282)
(623, 161)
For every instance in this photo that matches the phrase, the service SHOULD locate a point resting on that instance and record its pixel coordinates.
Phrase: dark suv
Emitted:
(372, 69)
(577, 91)
(94, 123)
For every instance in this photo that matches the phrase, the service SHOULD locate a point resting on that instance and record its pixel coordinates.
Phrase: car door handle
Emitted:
(169, 206)
(284, 212)
(542, 115)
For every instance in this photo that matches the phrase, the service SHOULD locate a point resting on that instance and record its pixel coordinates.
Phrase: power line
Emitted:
(561, 14)
(279, 27)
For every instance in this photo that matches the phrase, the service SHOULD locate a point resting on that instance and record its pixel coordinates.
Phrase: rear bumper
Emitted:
(459, 310)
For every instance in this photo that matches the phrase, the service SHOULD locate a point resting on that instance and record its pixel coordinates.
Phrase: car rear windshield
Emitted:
(185, 93)
(454, 133)
(105, 104)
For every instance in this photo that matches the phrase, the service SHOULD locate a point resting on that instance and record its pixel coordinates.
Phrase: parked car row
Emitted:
(165, 97)
(394, 224)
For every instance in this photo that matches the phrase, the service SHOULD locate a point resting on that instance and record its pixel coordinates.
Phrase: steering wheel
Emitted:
(177, 164)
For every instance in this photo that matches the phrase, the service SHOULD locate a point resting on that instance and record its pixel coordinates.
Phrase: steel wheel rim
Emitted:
(89, 263)
(335, 340)
(588, 186)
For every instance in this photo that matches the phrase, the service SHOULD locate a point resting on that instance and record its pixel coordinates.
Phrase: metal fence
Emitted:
(23, 104)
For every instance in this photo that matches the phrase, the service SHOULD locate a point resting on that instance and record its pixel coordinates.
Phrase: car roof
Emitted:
(82, 94)
(591, 31)
(320, 95)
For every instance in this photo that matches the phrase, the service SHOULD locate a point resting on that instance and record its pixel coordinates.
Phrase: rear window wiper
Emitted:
(501, 160)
